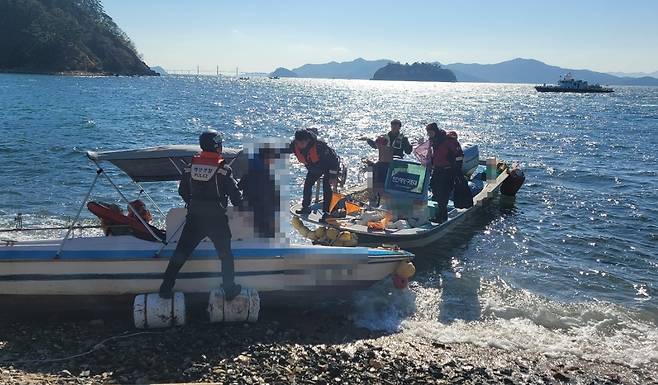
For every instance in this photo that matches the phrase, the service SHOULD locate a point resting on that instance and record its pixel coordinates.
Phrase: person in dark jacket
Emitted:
(320, 160)
(447, 159)
(261, 192)
(205, 187)
(393, 144)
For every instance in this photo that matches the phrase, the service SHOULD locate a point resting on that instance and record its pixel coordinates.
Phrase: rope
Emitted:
(96, 347)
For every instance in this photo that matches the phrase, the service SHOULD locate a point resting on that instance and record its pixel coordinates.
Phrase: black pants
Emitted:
(196, 228)
(441, 184)
(327, 192)
(265, 220)
(379, 172)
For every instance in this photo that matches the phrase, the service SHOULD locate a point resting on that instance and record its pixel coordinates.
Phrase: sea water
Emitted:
(568, 267)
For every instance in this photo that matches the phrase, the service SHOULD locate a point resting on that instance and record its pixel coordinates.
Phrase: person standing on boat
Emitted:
(320, 160)
(261, 192)
(205, 187)
(447, 159)
(393, 144)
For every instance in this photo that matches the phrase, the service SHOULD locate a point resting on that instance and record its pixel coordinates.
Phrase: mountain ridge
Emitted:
(65, 36)
(518, 70)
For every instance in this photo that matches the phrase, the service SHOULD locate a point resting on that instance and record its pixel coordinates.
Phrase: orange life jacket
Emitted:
(311, 158)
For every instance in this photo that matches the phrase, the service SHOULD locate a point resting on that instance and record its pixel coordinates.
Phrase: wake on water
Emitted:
(466, 308)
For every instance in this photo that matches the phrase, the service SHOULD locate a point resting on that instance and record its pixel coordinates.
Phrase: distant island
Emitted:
(159, 70)
(283, 73)
(418, 72)
(65, 37)
(511, 71)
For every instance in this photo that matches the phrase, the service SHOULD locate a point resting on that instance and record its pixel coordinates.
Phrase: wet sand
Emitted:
(286, 346)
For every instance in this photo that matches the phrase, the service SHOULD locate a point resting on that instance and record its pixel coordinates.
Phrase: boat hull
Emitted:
(428, 234)
(121, 267)
(574, 90)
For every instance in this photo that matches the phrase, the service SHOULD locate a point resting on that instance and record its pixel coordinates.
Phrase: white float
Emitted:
(151, 311)
(244, 307)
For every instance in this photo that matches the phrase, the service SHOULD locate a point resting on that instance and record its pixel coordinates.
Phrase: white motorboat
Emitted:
(98, 269)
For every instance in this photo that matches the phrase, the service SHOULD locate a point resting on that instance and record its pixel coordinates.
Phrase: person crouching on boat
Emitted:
(204, 187)
(320, 160)
(393, 144)
(447, 159)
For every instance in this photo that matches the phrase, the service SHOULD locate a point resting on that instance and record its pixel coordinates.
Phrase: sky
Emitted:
(603, 35)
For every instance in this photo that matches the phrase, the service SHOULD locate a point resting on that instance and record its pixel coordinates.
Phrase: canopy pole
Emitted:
(130, 208)
(175, 166)
(77, 216)
(141, 190)
(157, 253)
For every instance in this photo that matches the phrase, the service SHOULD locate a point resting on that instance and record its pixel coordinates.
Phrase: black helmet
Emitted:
(210, 140)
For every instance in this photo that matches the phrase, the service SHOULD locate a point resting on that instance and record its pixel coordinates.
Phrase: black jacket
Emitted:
(211, 194)
(327, 162)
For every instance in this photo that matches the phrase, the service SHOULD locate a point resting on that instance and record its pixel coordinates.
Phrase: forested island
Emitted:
(64, 37)
(283, 73)
(420, 72)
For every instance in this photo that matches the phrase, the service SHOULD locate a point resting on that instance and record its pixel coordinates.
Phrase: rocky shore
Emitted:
(283, 348)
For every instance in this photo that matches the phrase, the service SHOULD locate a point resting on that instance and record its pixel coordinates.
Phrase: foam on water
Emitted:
(506, 318)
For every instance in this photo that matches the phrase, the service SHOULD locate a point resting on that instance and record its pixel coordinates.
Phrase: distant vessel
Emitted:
(568, 84)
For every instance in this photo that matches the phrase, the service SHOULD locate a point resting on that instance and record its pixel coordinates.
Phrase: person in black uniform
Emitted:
(319, 159)
(204, 187)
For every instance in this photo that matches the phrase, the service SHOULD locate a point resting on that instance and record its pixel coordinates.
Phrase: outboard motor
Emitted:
(471, 159)
(513, 183)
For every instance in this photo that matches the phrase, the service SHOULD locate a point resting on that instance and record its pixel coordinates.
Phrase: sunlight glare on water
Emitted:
(568, 267)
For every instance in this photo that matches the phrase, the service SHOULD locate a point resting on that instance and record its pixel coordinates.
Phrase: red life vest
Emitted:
(447, 152)
(205, 165)
(110, 217)
(311, 157)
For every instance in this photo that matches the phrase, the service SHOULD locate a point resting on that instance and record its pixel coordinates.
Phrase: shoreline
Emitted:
(71, 73)
(292, 347)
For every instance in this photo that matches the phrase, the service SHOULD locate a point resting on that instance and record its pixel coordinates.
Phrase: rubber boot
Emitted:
(231, 290)
(169, 279)
(303, 211)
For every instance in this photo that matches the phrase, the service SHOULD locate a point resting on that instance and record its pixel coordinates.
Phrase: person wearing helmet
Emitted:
(320, 160)
(205, 187)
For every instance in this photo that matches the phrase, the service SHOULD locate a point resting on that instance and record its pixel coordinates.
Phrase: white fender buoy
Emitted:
(244, 307)
(151, 311)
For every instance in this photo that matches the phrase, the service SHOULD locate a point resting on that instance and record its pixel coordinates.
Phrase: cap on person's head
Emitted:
(303, 134)
(210, 140)
(396, 123)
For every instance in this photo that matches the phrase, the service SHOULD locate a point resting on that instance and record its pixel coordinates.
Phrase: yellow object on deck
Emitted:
(405, 270)
(328, 236)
